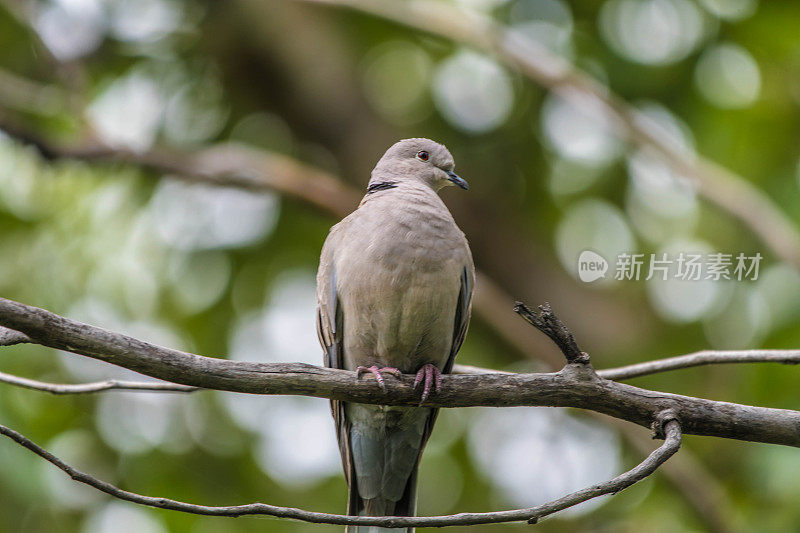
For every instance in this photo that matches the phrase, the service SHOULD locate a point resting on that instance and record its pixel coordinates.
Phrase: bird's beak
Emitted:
(457, 180)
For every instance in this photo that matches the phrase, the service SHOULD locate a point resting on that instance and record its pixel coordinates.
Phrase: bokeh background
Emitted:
(228, 271)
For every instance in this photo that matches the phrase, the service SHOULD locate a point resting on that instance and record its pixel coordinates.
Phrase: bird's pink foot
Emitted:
(431, 376)
(376, 371)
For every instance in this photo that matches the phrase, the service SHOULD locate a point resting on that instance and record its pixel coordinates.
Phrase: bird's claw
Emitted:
(432, 376)
(376, 371)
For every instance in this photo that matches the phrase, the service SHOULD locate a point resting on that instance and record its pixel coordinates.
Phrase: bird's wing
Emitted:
(329, 319)
(330, 329)
(460, 326)
(463, 312)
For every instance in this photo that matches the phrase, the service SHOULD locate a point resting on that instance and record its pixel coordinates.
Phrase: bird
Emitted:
(394, 295)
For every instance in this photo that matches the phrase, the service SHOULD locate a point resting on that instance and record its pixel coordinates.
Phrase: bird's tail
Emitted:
(383, 507)
(384, 448)
(376, 529)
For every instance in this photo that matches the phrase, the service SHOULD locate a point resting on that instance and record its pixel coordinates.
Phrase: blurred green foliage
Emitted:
(227, 273)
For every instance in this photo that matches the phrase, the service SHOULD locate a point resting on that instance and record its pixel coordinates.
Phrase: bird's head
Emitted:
(422, 160)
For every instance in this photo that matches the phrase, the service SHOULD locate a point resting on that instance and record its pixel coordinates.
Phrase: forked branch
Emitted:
(577, 385)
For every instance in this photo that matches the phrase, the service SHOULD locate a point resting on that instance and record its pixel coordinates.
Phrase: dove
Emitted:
(394, 295)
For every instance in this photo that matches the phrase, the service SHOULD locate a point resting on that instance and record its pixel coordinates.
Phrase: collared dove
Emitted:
(394, 292)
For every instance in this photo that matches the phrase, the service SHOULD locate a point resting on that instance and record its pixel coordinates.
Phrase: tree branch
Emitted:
(226, 164)
(576, 385)
(672, 442)
(150, 386)
(30, 96)
(98, 386)
(700, 489)
(704, 357)
(728, 191)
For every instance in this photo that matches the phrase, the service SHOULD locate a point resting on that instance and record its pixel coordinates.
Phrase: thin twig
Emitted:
(704, 357)
(732, 193)
(9, 337)
(548, 323)
(701, 489)
(98, 386)
(671, 444)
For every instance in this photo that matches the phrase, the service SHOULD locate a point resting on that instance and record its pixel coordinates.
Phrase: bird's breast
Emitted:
(398, 288)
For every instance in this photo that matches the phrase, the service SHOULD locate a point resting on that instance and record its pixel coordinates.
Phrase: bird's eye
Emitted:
(422, 155)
